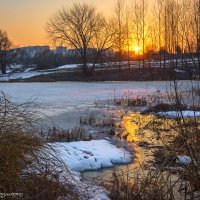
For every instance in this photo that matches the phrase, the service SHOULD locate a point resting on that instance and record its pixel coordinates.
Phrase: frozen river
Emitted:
(65, 102)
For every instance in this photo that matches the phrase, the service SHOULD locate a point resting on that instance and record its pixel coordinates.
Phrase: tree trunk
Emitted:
(84, 57)
(3, 69)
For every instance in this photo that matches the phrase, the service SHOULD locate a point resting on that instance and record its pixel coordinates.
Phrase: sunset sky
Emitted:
(25, 20)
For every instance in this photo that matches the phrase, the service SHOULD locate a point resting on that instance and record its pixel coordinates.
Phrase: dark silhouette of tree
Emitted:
(6, 55)
(83, 29)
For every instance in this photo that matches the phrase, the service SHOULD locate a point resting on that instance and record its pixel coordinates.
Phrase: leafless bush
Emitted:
(17, 117)
(27, 164)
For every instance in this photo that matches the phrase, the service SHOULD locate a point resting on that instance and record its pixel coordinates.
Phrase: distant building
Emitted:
(61, 50)
(32, 51)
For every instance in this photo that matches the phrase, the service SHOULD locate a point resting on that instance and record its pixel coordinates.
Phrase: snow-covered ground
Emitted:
(28, 72)
(21, 75)
(90, 155)
(76, 157)
(24, 72)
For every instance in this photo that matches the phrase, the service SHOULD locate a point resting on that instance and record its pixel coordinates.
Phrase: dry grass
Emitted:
(70, 135)
(128, 100)
(150, 186)
(23, 168)
(93, 119)
(166, 178)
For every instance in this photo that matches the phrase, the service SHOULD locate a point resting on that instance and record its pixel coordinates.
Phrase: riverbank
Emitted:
(133, 74)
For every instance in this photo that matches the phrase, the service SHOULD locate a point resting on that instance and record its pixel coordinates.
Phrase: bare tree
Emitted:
(128, 32)
(5, 54)
(120, 29)
(138, 25)
(78, 28)
(103, 40)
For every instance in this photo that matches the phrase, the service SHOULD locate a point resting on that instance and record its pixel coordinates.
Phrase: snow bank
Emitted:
(21, 75)
(90, 155)
(85, 155)
(180, 114)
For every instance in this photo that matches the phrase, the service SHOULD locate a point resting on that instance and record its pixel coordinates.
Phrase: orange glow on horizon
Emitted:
(25, 21)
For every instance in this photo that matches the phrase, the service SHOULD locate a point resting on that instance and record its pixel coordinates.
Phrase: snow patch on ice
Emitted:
(85, 155)
(90, 155)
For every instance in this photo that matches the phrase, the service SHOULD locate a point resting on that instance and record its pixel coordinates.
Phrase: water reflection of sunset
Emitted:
(133, 124)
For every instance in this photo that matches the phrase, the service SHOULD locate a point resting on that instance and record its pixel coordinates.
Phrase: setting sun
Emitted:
(136, 49)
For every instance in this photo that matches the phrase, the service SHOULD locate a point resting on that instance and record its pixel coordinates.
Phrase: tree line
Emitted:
(169, 27)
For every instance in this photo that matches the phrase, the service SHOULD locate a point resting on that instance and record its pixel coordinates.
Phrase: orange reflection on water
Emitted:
(130, 129)
(133, 125)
